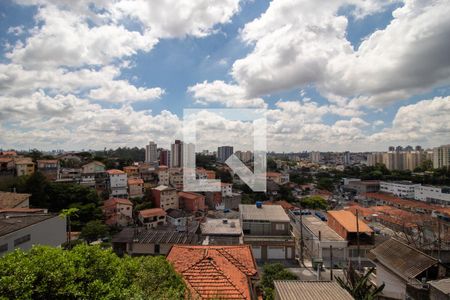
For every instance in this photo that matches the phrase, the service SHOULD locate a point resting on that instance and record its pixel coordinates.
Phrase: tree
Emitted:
(86, 272)
(93, 230)
(325, 184)
(68, 214)
(359, 285)
(273, 272)
(314, 202)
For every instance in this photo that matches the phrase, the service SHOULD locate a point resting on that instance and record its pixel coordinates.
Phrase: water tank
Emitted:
(258, 204)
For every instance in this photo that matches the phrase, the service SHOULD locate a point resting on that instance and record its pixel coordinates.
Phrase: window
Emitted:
(22, 240)
(279, 226)
(3, 248)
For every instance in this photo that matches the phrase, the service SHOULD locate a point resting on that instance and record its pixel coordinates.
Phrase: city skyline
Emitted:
(114, 74)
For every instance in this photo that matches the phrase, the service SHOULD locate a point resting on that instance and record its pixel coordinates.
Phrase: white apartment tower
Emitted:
(151, 153)
(441, 156)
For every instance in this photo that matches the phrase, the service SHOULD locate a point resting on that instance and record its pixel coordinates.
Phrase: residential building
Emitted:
(70, 175)
(405, 189)
(346, 159)
(315, 157)
(354, 231)
(318, 237)
(165, 158)
(93, 167)
(226, 189)
(374, 158)
(400, 267)
(151, 155)
(245, 156)
(432, 194)
(153, 217)
(441, 156)
(24, 231)
(413, 159)
(147, 172)
(278, 178)
(179, 219)
(163, 175)
(361, 187)
(131, 171)
(118, 211)
(223, 153)
(176, 151)
(49, 168)
(221, 232)
(135, 187)
(7, 167)
(176, 178)
(117, 183)
(191, 202)
(216, 272)
(202, 173)
(309, 290)
(165, 197)
(267, 229)
(136, 242)
(14, 200)
(24, 166)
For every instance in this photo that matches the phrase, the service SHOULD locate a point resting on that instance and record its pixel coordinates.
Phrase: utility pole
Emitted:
(301, 234)
(331, 263)
(439, 239)
(357, 240)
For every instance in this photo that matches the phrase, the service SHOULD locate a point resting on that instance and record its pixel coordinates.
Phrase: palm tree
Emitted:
(359, 285)
(68, 213)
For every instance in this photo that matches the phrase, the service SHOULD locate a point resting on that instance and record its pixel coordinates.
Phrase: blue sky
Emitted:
(348, 75)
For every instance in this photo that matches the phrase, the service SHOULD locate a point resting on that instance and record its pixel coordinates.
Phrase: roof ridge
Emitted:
(234, 261)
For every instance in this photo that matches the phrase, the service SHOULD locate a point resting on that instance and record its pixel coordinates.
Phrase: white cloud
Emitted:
(121, 90)
(223, 93)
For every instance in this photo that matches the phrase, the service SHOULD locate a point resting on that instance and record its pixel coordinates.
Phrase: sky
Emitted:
(339, 75)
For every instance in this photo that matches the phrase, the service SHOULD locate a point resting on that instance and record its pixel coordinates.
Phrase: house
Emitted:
(202, 173)
(226, 189)
(191, 202)
(24, 231)
(221, 232)
(118, 211)
(346, 224)
(14, 200)
(163, 175)
(49, 168)
(139, 241)
(178, 218)
(7, 167)
(24, 166)
(165, 197)
(131, 171)
(176, 178)
(278, 178)
(401, 267)
(216, 272)
(309, 290)
(152, 217)
(267, 229)
(93, 167)
(135, 187)
(318, 237)
(117, 183)
(69, 175)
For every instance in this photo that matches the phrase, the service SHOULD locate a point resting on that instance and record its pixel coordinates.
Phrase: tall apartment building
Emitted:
(245, 156)
(176, 150)
(164, 158)
(151, 155)
(413, 159)
(315, 156)
(346, 158)
(374, 158)
(441, 156)
(224, 152)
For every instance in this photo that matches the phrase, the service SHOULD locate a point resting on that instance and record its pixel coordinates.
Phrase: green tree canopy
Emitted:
(86, 272)
(93, 230)
(273, 272)
(314, 202)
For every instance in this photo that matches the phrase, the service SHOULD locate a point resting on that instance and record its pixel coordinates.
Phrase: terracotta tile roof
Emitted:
(348, 221)
(11, 200)
(8, 153)
(151, 212)
(132, 181)
(273, 174)
(115, 201)
(47, 161)
(189, 195)
(5, 159)
(115, 172)
(215, 272)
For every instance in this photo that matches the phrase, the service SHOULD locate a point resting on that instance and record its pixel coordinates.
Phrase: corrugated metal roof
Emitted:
(310, 290)
(315, 226)
(348, 221)
(402, 259)
(166, 237)
(273, 213)
(442, 285)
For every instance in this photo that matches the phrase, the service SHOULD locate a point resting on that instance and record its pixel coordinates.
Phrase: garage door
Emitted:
(256, 252)
(276, 253)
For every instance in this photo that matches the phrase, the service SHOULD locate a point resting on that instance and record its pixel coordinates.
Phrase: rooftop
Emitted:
(152, 212)
(47, 161)
(13, 223)
(310, 290)
(348, 221)
(133, 181)
(151, 236)
(274, 213)
(189, 195)
(163, 188)
(221, 227)
(115, 172)
(215, 272)
(11, 200)
(442, 285)
(402, 259)
(115, 201)
(315, 226)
